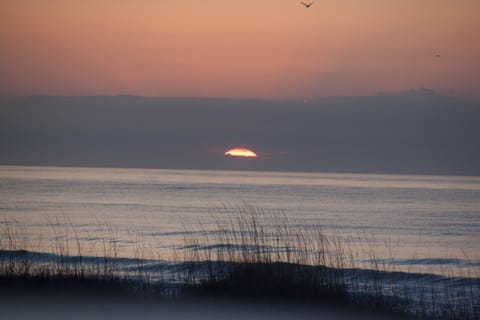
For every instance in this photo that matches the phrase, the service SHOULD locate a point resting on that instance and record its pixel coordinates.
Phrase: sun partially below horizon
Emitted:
(241, 152)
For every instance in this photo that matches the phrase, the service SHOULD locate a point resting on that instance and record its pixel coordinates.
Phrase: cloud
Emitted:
(412, 132)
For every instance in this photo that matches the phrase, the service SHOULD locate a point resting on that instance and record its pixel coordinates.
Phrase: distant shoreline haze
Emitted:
(414, 132)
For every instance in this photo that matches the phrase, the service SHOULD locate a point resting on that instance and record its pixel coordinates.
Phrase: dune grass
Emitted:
(248, 252)
(259, 252)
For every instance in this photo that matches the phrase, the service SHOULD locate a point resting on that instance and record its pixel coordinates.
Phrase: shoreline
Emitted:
(389, 294)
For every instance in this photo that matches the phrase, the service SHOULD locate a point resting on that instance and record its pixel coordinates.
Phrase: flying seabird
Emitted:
(307, 5)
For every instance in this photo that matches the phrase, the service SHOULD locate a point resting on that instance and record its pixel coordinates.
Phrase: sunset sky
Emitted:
(272, 49)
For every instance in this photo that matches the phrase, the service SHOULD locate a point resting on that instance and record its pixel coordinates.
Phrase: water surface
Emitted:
(410, 221)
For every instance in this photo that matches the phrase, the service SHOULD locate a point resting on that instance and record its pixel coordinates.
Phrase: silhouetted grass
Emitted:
(256, 252)
(249, 252)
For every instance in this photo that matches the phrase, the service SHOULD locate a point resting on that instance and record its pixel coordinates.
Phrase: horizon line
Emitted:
(420, 91)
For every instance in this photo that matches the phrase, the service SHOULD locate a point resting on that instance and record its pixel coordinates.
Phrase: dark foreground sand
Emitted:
(53, 305)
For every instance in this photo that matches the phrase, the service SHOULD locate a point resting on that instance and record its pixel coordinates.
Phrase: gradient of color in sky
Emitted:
(267, 49)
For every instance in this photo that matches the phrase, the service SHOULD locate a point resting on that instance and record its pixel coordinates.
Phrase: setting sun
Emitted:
(241, 152)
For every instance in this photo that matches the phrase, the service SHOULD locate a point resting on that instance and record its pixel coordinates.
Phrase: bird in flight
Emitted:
(307, 5)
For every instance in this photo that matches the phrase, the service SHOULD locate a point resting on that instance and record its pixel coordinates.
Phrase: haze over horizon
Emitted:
(416, 131)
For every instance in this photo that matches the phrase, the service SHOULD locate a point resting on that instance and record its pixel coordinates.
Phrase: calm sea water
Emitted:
(430, 222)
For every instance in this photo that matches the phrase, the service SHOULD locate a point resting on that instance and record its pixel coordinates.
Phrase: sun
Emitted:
(241, 152)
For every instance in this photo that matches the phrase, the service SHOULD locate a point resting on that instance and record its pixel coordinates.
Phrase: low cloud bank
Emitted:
(412, 132)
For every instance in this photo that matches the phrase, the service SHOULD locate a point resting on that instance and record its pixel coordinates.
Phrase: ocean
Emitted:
(409, 223)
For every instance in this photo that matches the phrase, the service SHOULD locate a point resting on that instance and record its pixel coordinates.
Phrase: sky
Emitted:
(269, 49)
(177, 83)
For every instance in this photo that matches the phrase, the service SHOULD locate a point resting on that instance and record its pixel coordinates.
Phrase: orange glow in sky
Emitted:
(240, 49)
(241, 152)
